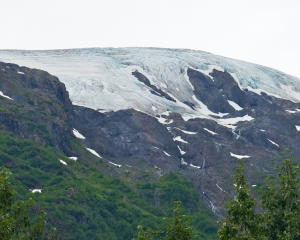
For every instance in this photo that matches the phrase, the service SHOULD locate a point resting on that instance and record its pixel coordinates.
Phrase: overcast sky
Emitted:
(266, 32)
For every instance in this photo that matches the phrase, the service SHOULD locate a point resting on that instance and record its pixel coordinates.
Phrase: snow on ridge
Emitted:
(78, 134)
(93, 152)
(274, 143)
(239, 156)
(235, 105)
(209, 70)
(2, 94)
(211, 132)
(179, 139)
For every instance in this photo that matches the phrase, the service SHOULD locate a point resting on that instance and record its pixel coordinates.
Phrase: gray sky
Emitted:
(266, 32)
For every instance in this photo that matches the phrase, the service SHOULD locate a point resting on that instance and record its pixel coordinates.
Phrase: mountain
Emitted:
(148, 112)
(85, 196)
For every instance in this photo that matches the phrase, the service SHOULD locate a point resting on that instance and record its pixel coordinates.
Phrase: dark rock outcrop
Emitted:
(40, 110)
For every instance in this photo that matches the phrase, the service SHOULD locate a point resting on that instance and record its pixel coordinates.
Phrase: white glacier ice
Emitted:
(101, 78)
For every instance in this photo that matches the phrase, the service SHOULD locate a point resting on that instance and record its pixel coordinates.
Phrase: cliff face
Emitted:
(37, 106)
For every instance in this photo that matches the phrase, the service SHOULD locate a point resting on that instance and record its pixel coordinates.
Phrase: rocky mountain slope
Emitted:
(86, 196)
(162, 110)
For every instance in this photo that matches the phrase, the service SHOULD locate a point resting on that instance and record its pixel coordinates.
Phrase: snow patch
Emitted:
(211, 132)
(234, 105)
(262, 130)
(35, 190)
(179, 139)
(204, 109)
(209, 70)
(73, 158)
(164, 120)
(194, 166)
(1, 94)
(183, 162)
(181, 151)
(220, 187)
(78, 134)
(239, 156)
(186, 132)
(117, 165)
(93, 152)
(154, 108)
(290, 111)
(274, 143)
(297, 127)
(21, 73)
(229, 122)
(63, 162)
(167, 154)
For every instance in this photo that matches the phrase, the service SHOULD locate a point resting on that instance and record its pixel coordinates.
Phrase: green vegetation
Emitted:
(15, 217)
(178, 227)
(83, 203)
(274, 215)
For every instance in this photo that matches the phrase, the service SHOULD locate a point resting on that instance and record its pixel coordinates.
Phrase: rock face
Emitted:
(204, 150)
(42, 101)
(126, 135)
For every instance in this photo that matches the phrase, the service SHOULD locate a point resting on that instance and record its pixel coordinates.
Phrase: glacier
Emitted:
(101, 78)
